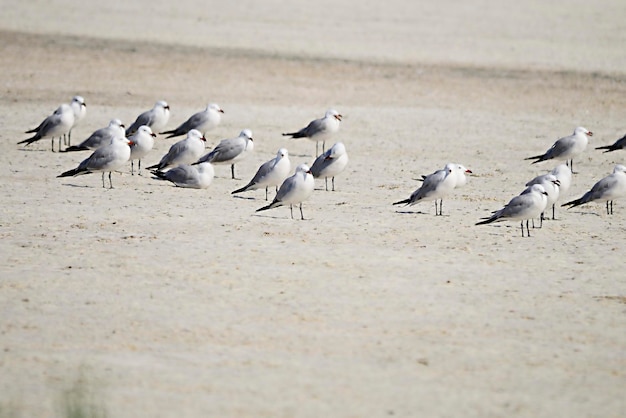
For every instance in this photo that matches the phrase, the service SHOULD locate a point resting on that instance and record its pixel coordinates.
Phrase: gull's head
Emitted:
(303, 168)
(194, 133)
(247, 134)
(336, 151)
(619, 169)
(332, 113)
(162, 104)
(538, 188)
(215, 107)
(581, 130)
(144, 129)
(79, 100)
(282, 153)
(116, 123)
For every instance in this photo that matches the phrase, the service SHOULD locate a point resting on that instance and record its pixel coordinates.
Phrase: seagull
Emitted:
(155, 118)
(294, 190)
(56, 125)
(619, 144)
(142, 142)
(202, 121)
(552, 186)
(270, 173)
(330, 163)
(188, 176)
(606, 190)
(106, 158)
(185, 151)
(231, 150)
(100, 137)
(319, 129)
(435, 186)
(79, 107)
(566, 148)
(528, 205)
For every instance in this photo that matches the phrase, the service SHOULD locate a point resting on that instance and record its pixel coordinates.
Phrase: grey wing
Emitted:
(98, 138)
(600, 189)
(226, 151)
(559, 148)
(320, 164)
(430, 184)
(48, 124)
(263, 171)
(316, 127)
(173, 152)
(100, 158)
(193, 122)
(285, 189)
(182, 174)
(146, 118)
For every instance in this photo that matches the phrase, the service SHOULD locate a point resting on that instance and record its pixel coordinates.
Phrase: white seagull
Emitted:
(79, 107)
(142, 142)
(436, 186)
(294, 190)
(106, 158)
(552, 185)
(100, 137)
(155, 118)
(185, 151)
(606, 190)
(566, 148)
(231, 150)
(319, 129)
(56, 125)
(270, 173)
(528, 205)
(330, 163)
(197, 176)
(203, 121)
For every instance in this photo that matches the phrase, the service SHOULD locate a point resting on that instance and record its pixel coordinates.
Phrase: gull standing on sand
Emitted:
(617, 145)
(563, 174)
(319, 129)
(202, 121)
(56, 125)
(566, 148)
(155, 118)
(606, 190)
(552, 186)
(106, 158)
(294, 190)
(435, 186)
(231, 150)
(79, 107)
(330, 163)
(100, 137)
(185, 151)
(271, 173)
(188, 176)
(528, 205)
(142, 142)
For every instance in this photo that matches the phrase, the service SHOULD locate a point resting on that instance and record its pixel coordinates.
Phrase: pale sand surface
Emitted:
(159, 301)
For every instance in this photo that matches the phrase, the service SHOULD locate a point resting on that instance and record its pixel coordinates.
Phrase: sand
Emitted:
(150, 300)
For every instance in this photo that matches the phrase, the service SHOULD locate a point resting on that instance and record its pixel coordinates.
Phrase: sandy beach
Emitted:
(152, 300)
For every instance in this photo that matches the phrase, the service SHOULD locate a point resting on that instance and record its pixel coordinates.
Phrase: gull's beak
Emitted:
(338, 117)
(166, 107)
(153, 135)
(468, 171)
(130, 143)
(84, 104)
(221, 111)
(122, 125)
(203, 138)
(589, 133)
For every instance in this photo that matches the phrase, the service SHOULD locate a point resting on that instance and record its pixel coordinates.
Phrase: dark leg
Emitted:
(69, 138)
(110, 181)
(52, 144)
(611, 207)
(316, 148)
(291, 210)
(553, 217)
(266, 187)
(59, 145)
(541, 220)
(139, 167)
(301, 214)
(132, 169)
(326, 181)
(103, 186)
(232, 170)
(323, 146)
(333, 184)
(522, 229)
(435, 207)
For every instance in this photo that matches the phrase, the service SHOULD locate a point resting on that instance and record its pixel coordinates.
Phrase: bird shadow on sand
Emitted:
(244, 197)
(417, 212)
(280, 217)
(34, 150)
(81, 186)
